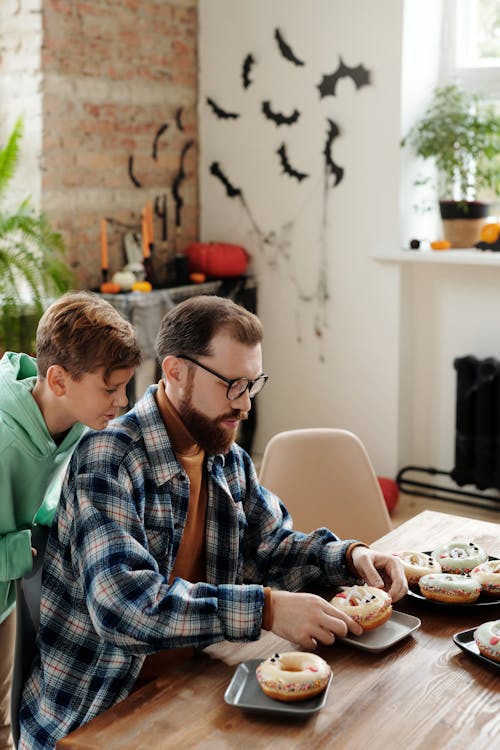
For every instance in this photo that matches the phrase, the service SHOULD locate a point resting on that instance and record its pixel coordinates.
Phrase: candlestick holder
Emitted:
(148, 267)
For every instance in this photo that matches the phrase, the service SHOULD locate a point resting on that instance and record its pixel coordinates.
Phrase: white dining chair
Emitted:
(325, 478)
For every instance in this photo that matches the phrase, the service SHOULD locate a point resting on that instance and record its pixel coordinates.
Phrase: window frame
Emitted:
(482, 79)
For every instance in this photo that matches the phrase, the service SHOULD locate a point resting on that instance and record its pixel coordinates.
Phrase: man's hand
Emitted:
(307, 619)
(381, 570)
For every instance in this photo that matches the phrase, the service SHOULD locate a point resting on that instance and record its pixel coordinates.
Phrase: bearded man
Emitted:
(164, 538)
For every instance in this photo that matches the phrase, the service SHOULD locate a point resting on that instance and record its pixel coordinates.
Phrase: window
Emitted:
(471, 45)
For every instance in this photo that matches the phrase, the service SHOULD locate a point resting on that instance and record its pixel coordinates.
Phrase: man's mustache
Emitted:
(235, 414)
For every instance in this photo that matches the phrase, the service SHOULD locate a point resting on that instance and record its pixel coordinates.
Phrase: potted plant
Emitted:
(461, 133)
(32, 267)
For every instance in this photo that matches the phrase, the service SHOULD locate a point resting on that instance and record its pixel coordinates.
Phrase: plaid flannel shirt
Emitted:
(106, 601)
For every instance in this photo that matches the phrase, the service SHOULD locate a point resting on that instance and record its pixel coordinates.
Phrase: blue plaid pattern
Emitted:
(106, 602)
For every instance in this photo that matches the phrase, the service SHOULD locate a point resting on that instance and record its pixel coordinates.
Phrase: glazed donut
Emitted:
(369, 606)
(459, 557)
(416, 565)
(293, 676)
(450, 588)
(488, 575)
(487, 638)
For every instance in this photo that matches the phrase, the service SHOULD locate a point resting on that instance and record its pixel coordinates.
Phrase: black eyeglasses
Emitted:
(236, 387)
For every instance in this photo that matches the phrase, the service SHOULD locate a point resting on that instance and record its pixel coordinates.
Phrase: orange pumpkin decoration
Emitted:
(141, 286)
(109, 288)
(217, 259)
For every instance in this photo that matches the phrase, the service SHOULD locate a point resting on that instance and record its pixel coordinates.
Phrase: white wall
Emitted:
(20, 92)
(349, 376)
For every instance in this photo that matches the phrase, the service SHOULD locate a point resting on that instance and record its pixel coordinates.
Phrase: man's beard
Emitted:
(208, 433)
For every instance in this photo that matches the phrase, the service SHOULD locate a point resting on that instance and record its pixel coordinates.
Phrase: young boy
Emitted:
(86, 355)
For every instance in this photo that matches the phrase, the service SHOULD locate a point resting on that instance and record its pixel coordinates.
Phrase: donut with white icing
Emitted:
(487, 638)
(367, 605)
(488, 575)
(450, 588)
(416, 565)
(293, 676)
(459, 557)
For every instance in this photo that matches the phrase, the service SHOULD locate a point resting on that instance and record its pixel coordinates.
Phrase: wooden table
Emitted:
(423, 693)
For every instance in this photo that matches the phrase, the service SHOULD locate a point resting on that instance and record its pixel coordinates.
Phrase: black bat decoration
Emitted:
(178, 121)
(287, 167)
(222, 114)
(216, 171)
(285, 49)
(131, 172)
(157, 137)
(359, 75)
(333, 168)
(277, 117)
(245, 72)
(178, 179)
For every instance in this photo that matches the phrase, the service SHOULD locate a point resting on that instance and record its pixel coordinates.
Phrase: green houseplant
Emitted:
(461, 134)
(32, 266)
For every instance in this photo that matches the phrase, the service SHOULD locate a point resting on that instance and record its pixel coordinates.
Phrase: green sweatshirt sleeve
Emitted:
(16, 558)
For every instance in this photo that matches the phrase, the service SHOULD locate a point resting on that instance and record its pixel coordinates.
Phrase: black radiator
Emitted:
(477, 437)
(477, 440)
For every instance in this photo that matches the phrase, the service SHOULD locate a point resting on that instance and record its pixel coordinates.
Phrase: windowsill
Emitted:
(465, 256)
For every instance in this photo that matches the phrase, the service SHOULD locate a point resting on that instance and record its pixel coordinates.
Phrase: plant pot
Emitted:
(462, 221)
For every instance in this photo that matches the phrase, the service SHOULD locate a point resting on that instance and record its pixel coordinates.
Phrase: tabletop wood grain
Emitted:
(422, 693)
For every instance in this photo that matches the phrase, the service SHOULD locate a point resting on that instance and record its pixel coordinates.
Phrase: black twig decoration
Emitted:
(131, 172)
(285, 49)
(178, 179)
(277, 117)
(157, 137)
(248, 63)
(287, 167)
(222, 114)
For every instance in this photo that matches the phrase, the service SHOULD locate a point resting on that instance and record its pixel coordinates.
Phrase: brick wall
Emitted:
(114, 72)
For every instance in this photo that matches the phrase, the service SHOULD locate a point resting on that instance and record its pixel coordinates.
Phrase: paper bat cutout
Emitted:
(277, 117)
(178, 122)
(231, 191)
(285, 49)
(333, 168)
(222, 114)
(287, 167)
(131, 172)
(245, 72)
(359, 75)
(179, 178)
(157, 137)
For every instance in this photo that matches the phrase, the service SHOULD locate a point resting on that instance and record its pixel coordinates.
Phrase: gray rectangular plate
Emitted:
(397, 627)
(244, 692)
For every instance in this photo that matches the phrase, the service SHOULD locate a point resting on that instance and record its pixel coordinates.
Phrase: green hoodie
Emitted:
(32, 467)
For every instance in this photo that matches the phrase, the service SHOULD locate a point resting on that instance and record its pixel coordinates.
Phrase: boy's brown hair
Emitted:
(188, 328)
(83, 332)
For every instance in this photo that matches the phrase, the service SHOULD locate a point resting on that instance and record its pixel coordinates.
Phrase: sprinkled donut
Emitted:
(416, 565)
(369, 606)
(293, 676)
(450, 588)
(459, 557)
(487, 638)
(488, 575)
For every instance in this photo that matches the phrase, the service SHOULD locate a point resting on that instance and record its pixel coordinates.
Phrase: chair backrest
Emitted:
(325, 478)
(27, 624)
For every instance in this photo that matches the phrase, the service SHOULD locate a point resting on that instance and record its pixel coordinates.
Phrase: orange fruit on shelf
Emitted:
(490, 233)
(440, 245)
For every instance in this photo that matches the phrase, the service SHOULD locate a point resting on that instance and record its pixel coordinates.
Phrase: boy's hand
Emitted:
(381, 570)
(307, 619)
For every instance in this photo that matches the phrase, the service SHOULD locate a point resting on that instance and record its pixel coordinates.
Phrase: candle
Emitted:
(104, 245)
(146, 252)
(164, 221)
(151, 235)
